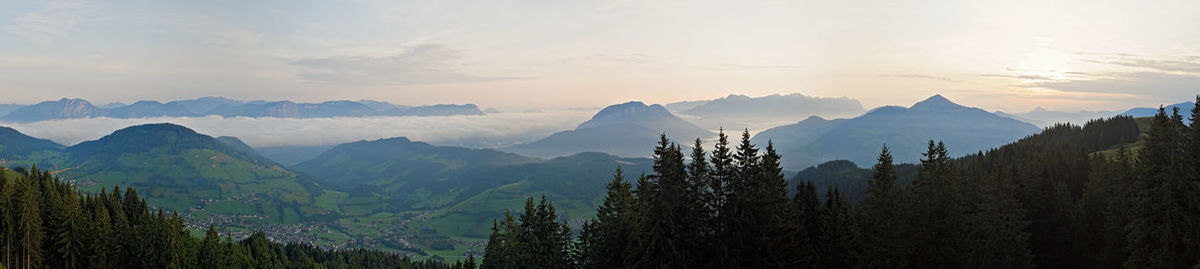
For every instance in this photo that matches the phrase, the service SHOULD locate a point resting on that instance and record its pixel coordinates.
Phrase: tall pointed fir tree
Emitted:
(614, 227)
(935, 225)
(838, 244)
(666, 232)
(879, 215)
(806, 205)
(1162, 228)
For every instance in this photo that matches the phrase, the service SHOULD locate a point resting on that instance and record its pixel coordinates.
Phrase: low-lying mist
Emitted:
(479, 131)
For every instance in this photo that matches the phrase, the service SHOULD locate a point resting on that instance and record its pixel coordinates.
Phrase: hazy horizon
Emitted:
(997, 55)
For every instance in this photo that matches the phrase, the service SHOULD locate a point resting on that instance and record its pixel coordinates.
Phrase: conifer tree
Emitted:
(935, 225)
(879, 215)
(29, 224)
(666, 230)
(837, 240)
(1162, 231)
(806, 204)
(614, 225)
(995, 236)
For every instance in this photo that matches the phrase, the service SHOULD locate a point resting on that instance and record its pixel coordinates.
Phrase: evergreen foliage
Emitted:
(46, 223)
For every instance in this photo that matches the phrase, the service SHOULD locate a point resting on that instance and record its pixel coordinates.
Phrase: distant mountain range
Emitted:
(1045, 118)
(906, 131)
(736, 112)
(1185, 109)
(628, 130)
(79, 108)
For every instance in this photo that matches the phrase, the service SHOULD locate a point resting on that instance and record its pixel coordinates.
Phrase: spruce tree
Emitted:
(666, 230)
(29, 224)
(838, 242)
(614, 225)
(935, 227)
(995, 235)
(1162, 228)
(880, 214)
(806, 204)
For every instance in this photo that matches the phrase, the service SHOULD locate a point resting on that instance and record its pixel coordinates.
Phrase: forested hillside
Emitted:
(1052, 200)
(47, 223)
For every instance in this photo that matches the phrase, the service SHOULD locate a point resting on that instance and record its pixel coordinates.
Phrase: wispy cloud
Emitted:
(53, 21)
(1187, 64)
(1156, 84)
(737, 66)
(929, 77)
(620, 59)
(423, 64)
(1121, 75)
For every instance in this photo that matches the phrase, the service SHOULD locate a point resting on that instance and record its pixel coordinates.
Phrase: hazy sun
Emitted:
(1044, 64)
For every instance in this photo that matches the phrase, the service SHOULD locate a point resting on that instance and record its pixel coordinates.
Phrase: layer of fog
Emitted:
(481, 131)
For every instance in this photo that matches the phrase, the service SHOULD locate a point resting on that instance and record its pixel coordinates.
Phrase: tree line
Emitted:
(46, 223)
(1056, 199)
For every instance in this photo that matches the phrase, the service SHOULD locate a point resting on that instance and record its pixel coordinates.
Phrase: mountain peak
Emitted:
(156, 128)
(814, 118)
(935, 101)
(633, 110)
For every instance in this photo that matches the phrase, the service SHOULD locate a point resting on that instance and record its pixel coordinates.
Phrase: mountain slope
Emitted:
(575, 183)
(49, 110)
(143, 109)
(794, 136)
(735, 112)
(16, 145)
(190, 172)
(907, 131)
(628, 129)
(435, 110)
(1045, 118)
(400, 166)
(1185, 109)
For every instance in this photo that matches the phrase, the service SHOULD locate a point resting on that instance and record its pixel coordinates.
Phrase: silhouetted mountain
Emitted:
(906, 130)
(49, 110)
(436, 110)
(289, 109)
(794, 136)
(379, 106)
(143, 109)
(1185, 109)
(205, 105)
(627, 129)
(682, 106)
(1044, 118)
(79, 108)
(9, 108)
(735, 112)
(16, 145)
(112, 105)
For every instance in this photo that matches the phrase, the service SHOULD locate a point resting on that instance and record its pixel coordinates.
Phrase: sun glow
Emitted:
(1044, 64)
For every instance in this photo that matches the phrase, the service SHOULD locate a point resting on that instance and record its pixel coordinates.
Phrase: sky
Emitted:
(514, 55)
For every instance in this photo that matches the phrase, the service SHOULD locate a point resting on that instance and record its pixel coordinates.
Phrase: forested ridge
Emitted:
(46, 223)
(1070, 197)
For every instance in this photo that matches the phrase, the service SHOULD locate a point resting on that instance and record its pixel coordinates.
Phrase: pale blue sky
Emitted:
(1009, 55)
